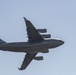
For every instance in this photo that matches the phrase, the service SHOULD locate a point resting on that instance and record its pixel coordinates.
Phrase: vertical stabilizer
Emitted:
(2, 42)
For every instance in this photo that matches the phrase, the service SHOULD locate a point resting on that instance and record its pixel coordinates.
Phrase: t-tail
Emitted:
(2, 42)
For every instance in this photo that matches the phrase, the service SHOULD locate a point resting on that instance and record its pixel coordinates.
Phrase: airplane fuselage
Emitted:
(34, 47)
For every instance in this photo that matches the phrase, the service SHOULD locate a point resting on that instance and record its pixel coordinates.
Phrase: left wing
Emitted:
(28, 58)
(33, 34)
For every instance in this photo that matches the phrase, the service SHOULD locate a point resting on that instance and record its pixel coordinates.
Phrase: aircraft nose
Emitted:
(60, 42)
(55, 43)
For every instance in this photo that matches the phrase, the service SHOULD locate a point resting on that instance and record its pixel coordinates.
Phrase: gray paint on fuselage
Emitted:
(31, 47)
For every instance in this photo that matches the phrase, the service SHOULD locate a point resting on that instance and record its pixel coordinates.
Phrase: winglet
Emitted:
(25, 19)
(20, 69)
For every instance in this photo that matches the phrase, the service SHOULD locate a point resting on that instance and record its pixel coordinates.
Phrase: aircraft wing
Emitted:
(28, 58)
(33, 35)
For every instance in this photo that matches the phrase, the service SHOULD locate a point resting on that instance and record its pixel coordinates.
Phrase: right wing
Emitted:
(28, 58)
(33, 35)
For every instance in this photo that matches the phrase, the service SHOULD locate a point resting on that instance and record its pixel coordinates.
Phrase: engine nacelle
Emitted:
(46, 35)
(45, 51)
(38, 58)
(42, 30)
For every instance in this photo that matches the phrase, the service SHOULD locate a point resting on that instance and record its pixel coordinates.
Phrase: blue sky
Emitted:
(58, 16)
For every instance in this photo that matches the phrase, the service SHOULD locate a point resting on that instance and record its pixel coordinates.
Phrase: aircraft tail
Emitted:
(2, 42)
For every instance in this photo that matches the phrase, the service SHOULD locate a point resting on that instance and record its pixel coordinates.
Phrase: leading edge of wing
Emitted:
(33, 34)
(28, 58)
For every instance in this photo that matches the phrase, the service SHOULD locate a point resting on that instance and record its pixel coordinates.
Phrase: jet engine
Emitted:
(45, 51)
(42, 30)
(46, 35)
(38, 58)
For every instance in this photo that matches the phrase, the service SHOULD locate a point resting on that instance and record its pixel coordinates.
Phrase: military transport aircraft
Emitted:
(36, 43)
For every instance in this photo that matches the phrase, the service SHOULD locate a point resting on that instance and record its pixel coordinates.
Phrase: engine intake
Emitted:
(46, 35)
(38, 58)
(42, 30)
